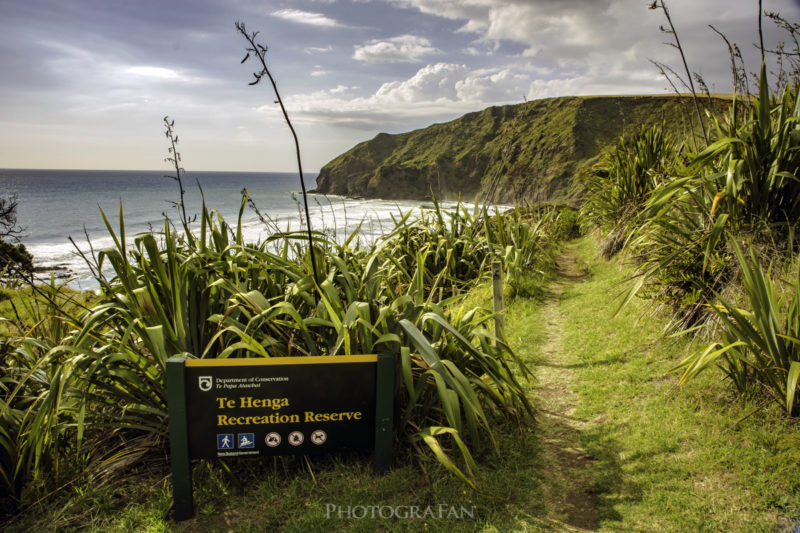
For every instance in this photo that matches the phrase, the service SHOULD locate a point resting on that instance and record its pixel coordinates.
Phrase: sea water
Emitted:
(55, 205)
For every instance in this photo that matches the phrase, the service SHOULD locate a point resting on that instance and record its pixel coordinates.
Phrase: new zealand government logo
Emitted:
(205, 383)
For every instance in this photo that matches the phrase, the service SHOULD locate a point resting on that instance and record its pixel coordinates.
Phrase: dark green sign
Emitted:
(228, 408)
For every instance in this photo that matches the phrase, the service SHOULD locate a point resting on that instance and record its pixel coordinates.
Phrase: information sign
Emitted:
(228, 408)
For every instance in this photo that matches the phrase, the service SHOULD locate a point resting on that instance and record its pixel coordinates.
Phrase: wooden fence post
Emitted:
(497, 292)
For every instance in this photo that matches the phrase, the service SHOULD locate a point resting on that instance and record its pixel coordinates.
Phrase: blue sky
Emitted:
(85, 83)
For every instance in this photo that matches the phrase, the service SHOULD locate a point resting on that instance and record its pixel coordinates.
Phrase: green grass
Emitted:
(285, 496)
(669, 458)
(31, 307)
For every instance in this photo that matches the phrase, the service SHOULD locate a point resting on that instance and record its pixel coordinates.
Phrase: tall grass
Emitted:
(761, 339)
(756, 159)
(37, 400)
(683, 228)
(744, 184)
(205, 292)
(619, 186)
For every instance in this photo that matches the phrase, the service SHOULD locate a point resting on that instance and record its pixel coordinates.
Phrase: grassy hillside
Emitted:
(523, 152)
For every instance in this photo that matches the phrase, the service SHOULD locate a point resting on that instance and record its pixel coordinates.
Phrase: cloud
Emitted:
(150, 73)
(158, 73)
(544, 24)
(499, 86)
(585, 39)
(614, 81)
(307, 17)
(438, 91)
(443, 91)
(431, 83)
(341, 89)
(400, 49)
(318, 49)
(104, 71)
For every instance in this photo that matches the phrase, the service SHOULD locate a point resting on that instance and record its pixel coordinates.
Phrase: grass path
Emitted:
(622, 447)
(566, 482)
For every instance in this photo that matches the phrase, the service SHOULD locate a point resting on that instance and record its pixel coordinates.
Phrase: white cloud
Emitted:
(490, 87)
(341, 89)
(551, 24)
(431, 83)
(155, 73)
(586, 39)
(442, 91)
(400, 49)
(105, 73)
(317, 49)
(144, 75)
(306, 17)
(435, 92)
(615, 81)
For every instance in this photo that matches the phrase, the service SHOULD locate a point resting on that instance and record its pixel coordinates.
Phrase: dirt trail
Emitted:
(570, 502)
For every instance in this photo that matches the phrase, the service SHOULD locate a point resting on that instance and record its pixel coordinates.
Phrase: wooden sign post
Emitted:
(229, 408)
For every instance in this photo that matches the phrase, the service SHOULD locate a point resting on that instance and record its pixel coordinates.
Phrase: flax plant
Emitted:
(38, 402)
(744, 183)
(621, 184)
(96, 387)
(760, 347)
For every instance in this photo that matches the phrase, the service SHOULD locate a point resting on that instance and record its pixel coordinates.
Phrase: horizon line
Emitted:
(160, 170)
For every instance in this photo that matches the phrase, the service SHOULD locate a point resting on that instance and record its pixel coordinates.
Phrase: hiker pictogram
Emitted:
(224, 441)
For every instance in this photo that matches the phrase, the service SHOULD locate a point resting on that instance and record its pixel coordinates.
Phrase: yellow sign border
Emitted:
(308, 360)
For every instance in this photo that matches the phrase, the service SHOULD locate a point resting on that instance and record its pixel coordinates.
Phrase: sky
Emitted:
(84, 84)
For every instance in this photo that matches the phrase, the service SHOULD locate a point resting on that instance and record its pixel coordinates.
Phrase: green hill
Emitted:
(527, 151)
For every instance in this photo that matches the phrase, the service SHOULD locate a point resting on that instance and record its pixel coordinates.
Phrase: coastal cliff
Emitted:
(522, 152)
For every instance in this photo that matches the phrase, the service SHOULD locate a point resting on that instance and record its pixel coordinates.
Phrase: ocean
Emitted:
(57, 204)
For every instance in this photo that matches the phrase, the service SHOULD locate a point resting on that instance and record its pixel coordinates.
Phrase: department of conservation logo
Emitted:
(205, 382)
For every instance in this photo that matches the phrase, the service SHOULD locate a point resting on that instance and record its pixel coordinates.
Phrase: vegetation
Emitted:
(83, 389)
(708, 231)
(684, 217)
(525, 154)
(629, 452)
(658, 457)
(761, 347)
(619, 186)
(90, 384)
(14, 258)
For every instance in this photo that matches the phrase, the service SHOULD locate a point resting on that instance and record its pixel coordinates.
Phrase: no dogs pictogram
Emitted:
(319, 437)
